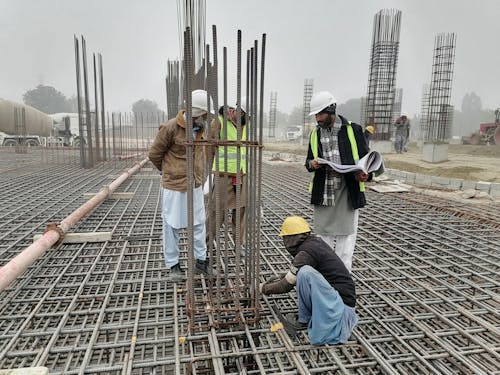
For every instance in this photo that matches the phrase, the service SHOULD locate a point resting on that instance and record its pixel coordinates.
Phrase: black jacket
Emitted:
(356, 197)
(315, 252)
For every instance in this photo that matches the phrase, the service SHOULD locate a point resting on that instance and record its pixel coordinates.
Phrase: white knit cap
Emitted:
(197, 112)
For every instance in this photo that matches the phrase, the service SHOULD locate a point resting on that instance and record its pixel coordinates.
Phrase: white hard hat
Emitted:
(199, 103)
(320, 101)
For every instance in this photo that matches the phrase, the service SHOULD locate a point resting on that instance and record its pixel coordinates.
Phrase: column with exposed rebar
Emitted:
(382, 74)
(308, 92)
(439, 115)
(272, 114)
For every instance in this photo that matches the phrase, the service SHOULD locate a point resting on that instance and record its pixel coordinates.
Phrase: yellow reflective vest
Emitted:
(230, 152)
(313, 139)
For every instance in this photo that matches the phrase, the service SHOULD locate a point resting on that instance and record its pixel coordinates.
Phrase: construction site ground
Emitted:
(427, 274)
(467, 162)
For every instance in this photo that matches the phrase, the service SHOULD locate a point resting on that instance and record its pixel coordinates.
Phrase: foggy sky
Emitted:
(327, 40)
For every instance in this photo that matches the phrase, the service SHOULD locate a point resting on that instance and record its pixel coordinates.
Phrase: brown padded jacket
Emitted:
(168, 154)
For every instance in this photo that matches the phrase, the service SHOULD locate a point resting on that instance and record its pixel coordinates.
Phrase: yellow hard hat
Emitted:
(294, 225)
(370, 129)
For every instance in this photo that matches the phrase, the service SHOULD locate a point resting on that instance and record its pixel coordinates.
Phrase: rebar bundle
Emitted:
(91, 139)
(172, 83)
(382, 74)
(439, 116)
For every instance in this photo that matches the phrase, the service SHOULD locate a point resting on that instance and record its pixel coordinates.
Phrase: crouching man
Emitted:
(325, 290)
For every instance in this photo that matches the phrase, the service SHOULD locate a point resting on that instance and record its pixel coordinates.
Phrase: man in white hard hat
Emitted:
(234, 130)
(336, 197)
(168, 154)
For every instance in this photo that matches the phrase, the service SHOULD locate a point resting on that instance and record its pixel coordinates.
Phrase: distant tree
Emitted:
(46, 99)
(145, 106)
(467, 121)
(281, 119)
(351, 109)
(471, 103)
(72, 104)
(296, 117)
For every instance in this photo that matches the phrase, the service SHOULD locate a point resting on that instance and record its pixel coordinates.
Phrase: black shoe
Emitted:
(201, 267)
(175, 274)
(292, 325)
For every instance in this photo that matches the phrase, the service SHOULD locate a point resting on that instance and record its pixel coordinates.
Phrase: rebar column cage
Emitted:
(382, 73)
(272, 114)
(424, 112)
(230, 296)
(308, 92)
(398, 103)
(439, 117)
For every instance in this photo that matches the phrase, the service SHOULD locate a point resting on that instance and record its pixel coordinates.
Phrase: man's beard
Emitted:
(326, 123)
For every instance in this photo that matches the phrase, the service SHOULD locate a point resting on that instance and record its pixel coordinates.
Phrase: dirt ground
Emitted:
(468, 162)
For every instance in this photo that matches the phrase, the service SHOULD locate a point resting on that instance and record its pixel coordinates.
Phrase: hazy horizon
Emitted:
(328, 41)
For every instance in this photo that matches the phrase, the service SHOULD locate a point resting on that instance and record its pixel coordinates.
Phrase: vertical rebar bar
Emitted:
(96, 111)
(88, 116)
(83, 161)
(103, 120)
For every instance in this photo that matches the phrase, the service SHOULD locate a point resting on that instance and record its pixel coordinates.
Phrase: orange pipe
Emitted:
(20, 263)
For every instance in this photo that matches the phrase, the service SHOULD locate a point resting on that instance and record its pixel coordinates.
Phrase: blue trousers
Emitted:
(329, 320)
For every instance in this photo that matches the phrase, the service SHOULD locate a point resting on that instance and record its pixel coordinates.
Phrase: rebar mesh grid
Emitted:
(426, 270)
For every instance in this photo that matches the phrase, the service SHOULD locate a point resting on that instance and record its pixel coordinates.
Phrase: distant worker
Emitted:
(325, 290)
(402, 127)
(336, 197)
(228, 179)
(168, 154)
(369, 130)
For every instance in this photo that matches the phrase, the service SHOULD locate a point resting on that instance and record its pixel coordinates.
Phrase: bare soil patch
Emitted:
(467, 162)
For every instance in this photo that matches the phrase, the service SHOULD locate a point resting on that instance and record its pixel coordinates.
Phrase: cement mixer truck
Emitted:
(22, 124)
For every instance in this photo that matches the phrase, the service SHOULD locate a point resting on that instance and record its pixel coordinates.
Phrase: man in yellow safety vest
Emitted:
(229, 162)
(336, 197)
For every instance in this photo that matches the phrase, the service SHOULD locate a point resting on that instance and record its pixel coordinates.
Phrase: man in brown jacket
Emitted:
(168, 154)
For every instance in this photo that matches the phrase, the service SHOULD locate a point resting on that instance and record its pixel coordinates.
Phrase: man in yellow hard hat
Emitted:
(369, 130)
(325, 290)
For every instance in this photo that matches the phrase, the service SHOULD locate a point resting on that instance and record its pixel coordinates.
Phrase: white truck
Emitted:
(66, 128)
(293, 133)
